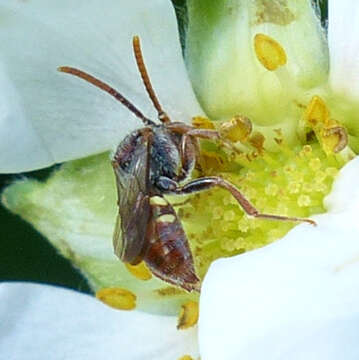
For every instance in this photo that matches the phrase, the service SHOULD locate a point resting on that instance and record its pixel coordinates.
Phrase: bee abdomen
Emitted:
(168, 254)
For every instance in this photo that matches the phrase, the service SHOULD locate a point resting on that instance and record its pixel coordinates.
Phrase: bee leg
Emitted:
(211, 135)
(190, 131)
(189, 151)
(206, 183)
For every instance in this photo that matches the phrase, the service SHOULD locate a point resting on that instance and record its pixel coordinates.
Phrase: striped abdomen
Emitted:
(168, 254)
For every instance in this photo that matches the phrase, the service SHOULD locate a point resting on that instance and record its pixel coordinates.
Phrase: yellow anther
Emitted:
(315, 164)
(202, 123)
(117, 298)
(269, 52)
(306, 151)
(271, 189)
(140, 271)
(237, 129)
(304, 200)
(188, 316)
(316, 113)
(229, 215)
(332, 171)
(257, 141)
(211, 160)
(334, 139)
(332, 136)
(186, 357)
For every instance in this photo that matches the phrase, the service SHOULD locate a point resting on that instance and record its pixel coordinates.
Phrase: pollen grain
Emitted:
(269, 52)
(117, 298)
(188, 315)
(140, 271)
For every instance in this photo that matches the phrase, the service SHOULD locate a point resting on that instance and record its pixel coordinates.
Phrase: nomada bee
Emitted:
(149, 163)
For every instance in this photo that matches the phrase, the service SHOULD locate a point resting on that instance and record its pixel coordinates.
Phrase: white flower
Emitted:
(43, 322)
(293, 299)
(64, 118)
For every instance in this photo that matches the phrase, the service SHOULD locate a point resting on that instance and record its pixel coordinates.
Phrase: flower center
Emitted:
(286, 177)
(290, 182)
(281, 170)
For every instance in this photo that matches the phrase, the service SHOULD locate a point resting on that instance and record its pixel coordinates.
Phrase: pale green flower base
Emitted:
(346, 111)
(76, 210)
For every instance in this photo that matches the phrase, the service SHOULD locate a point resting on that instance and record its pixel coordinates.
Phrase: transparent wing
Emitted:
(133, 201)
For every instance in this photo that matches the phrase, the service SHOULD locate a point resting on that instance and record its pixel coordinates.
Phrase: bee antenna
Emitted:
(162, 116)
(107, 88)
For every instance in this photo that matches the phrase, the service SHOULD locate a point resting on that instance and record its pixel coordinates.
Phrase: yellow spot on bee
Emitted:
(140, 271)
(158, 200)
(269, 52)
(166, 218)
(188, 315)
(117, 298)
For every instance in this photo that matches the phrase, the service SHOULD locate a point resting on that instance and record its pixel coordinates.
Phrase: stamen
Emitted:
(212, 161)
(334, 139)
(316, 112)
(289, 183)
(332, 136)
(257, 141)
(304, 201)
(117, 298)
(237, 129)
(186, 357)
(188, 316)
(269, 52)
(140, 271)
(200, 122)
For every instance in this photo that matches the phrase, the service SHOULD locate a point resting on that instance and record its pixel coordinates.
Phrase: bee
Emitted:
(149, 163)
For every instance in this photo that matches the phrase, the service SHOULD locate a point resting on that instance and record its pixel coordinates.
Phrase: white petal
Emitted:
(71, 118)
(295, 299)
(43, 322)
(344, 194)
(343, 29)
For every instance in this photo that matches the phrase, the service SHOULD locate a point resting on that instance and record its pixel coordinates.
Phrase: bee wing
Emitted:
(134, 206)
